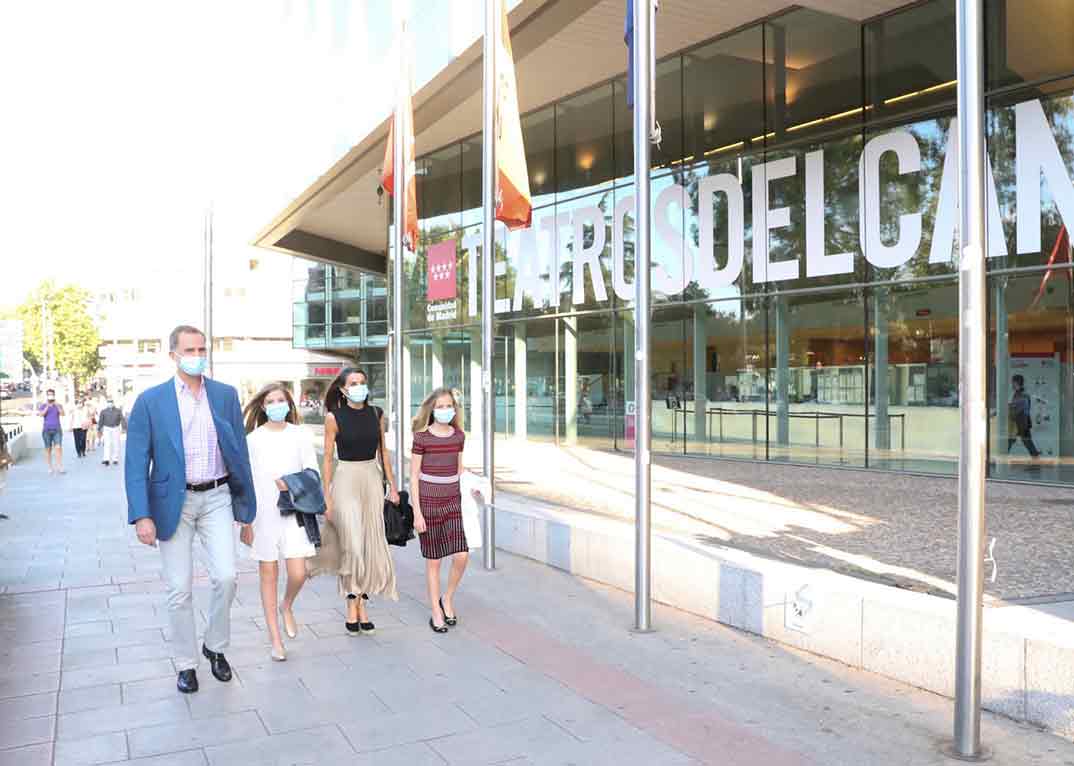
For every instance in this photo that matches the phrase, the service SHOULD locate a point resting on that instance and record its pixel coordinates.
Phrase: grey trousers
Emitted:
(207, 516)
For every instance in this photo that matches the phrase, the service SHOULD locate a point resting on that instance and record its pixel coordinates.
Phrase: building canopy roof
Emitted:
(561, 47)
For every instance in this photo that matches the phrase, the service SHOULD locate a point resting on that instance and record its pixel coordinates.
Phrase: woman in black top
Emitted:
(353, 543)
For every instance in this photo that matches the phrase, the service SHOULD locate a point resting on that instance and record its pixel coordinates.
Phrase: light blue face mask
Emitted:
(193, 365)
(277, 411)
(444, 414)
(357, 393)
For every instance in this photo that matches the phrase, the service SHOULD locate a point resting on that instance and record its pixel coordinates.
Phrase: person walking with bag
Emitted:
(187, 474)
(435, 470)
(279, 448)
(80, 425)
(353, 545)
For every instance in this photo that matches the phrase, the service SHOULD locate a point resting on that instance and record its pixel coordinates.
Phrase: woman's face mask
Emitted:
(444, 414)
(358, 393)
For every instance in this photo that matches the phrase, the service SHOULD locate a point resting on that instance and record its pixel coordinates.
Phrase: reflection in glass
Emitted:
(583, 133)
(816, 378)
(914, 413)
(440, 189)
(668, 87)
(1027, 41)
(1031, 386)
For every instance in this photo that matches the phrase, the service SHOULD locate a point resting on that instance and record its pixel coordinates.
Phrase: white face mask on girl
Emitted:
(444, 414)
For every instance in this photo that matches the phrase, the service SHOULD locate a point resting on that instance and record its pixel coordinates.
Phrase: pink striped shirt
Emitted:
(204, 461)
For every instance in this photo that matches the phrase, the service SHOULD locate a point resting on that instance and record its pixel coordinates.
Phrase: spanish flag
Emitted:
(513, 205)
(404, 112)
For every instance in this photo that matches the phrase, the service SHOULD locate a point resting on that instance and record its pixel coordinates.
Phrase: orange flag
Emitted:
(513, 205)
(387, 175)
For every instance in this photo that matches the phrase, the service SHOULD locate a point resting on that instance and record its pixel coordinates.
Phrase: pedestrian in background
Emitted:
(279, 447)
(435, 470)
(92, 429)
(354, 545)
(52, 431)
(110, 423)
(79, 423)
(188, 476)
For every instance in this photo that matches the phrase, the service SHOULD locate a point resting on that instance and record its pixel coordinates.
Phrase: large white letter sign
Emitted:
(472, 243)
(530, 268)
(909, 155)
(1035, 153)
(943, 230)
(818, 263)
(673, 241)
(624, 291)
(708, 275)
(589, 256)
(764, 220)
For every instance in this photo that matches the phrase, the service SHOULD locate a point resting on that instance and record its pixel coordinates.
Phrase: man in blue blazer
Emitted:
(188, 475)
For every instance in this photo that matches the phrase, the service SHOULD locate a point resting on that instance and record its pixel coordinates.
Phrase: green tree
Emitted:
(74, 333)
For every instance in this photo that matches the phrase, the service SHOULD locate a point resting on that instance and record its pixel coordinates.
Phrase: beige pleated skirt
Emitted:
(353, 545)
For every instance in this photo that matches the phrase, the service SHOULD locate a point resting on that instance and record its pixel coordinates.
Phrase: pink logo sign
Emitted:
(441, 263)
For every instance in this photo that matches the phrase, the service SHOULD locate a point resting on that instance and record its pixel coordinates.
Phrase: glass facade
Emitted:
(805, 289)
(341, 310)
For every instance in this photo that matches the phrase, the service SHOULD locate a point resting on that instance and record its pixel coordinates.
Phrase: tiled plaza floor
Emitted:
(541, 670)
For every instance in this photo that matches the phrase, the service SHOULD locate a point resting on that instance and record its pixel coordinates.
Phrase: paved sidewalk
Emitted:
(541, 670)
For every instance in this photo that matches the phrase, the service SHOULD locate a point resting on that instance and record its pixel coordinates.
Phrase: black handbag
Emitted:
(399, 520)
(398, 517)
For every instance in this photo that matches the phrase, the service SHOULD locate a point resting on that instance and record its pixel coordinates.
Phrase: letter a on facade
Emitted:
(403, 109)
(513, 205)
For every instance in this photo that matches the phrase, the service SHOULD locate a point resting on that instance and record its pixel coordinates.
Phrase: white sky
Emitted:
(124, 119)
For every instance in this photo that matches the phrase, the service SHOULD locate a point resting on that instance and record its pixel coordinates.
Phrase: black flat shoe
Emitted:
(440, 629)
(368, 627)
(218, 663)
(187, 682)
(451, 621)
(354, 628)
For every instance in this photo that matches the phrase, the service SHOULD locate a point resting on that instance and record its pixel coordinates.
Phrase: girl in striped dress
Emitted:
(434, 491)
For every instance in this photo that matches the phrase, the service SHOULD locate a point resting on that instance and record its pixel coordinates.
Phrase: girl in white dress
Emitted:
(279, 446)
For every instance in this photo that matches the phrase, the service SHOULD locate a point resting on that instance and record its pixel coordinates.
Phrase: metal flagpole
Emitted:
(488, 283)
(972, 362)
(643, 128)
(208, 286)
(399, 183)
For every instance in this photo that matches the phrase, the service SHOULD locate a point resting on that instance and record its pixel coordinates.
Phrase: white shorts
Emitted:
(284, 538)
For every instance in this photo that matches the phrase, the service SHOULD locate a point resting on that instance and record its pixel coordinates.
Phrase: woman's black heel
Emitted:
(440, 629)
(451, 621)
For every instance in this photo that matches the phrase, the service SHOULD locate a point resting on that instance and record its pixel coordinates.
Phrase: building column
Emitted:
(783, 372)
(437, 348)
(570, 379)
(476, 400)
(880, 370)
(521, 390)
(404, 393)
(1003, 375)
(700, 354)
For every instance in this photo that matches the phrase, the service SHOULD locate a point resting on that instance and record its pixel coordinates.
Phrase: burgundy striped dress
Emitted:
(439, 495)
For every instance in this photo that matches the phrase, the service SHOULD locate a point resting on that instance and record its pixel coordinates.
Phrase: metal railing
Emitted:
(815, 416)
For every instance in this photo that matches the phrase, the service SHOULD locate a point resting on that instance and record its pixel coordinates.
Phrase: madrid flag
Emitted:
(404, 110)
(513, 205)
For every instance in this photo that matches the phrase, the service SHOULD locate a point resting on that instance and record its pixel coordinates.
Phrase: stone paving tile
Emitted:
(103, 720)
(99, 658)
(35, 755)
(31, 706)
(139, 692)
(312, 747)
(105, 748)
(31, 683)
(388, 731)
(88, 698)
(185, 735)
(217, 699)
(29, 662)
(184, 758)
(113, 640)
(415, 754)
(28, 731)
(502, 743)
(112, 674)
